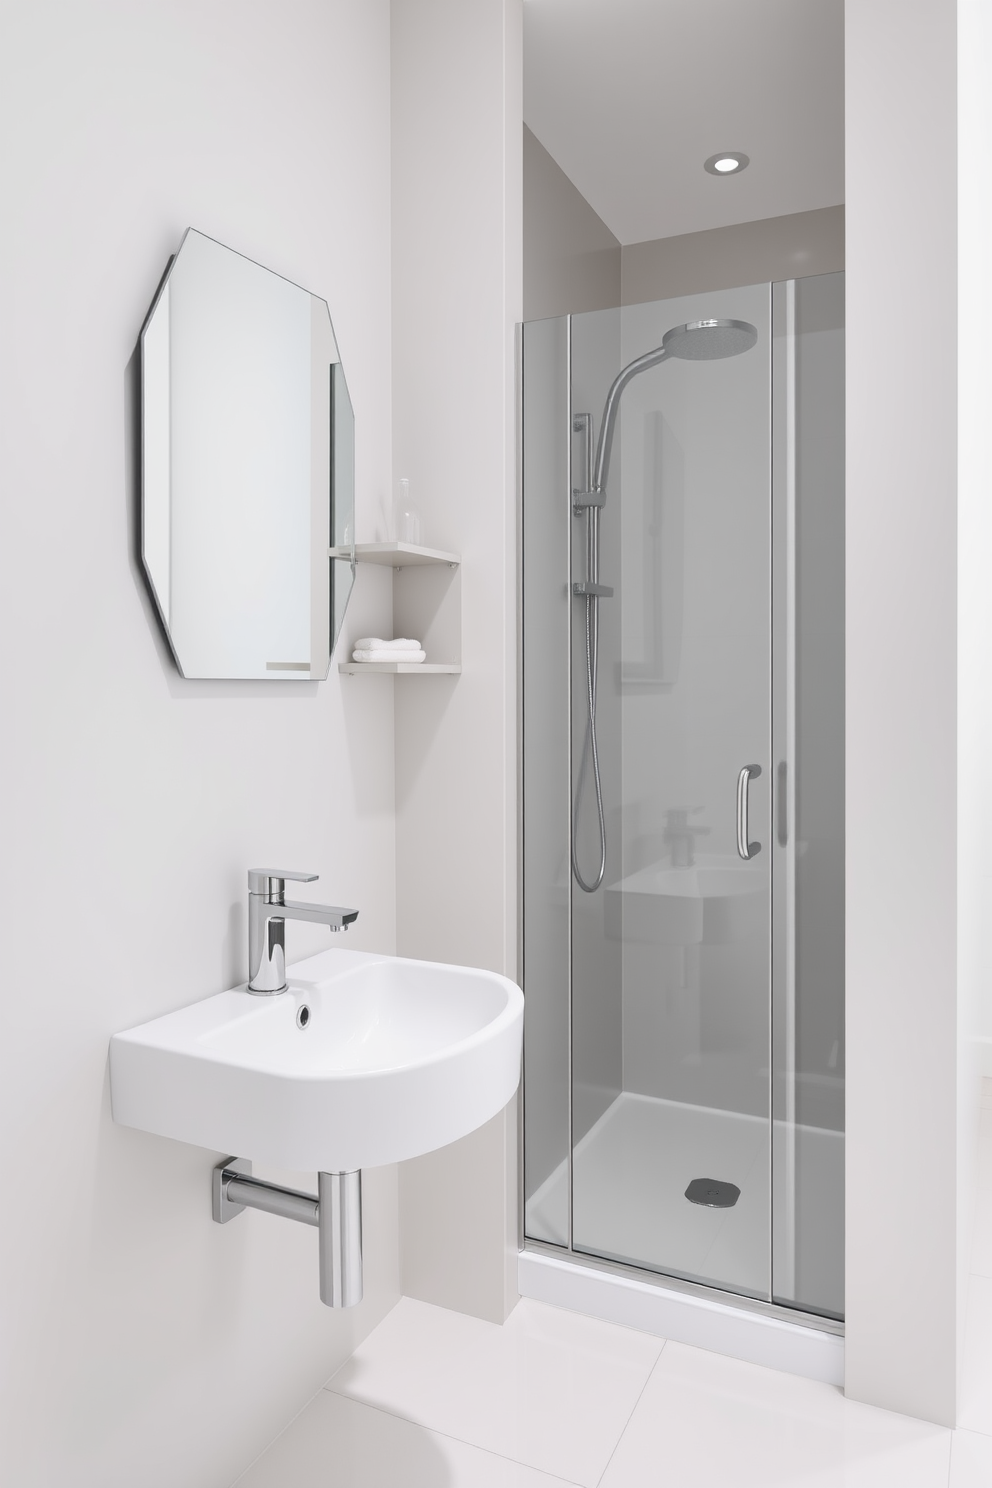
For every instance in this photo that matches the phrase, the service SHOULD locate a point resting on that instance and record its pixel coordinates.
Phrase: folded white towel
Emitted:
(375, 643)
(380, 654)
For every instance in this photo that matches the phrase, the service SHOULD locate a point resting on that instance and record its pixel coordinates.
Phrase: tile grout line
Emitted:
(640, 1396)
(288, 1427)
(567, 1482)
(447, 1436)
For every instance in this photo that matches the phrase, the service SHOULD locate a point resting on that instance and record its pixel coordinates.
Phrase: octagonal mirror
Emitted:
(248, 469)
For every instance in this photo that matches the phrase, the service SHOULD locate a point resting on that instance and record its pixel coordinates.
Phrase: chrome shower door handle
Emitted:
(746, 849)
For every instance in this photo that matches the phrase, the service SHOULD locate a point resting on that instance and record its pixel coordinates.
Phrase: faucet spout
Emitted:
(268, 911)
(321, 914)
(681, 836)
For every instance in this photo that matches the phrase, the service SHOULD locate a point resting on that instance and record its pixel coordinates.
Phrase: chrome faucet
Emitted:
(268, 911)
(681, 836)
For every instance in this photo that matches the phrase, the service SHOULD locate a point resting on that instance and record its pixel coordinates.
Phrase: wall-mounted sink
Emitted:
(718, 900)
(365, 1060)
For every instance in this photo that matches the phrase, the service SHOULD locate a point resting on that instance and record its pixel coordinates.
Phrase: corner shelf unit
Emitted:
(400, 668)
(397, 555)
(428, 611)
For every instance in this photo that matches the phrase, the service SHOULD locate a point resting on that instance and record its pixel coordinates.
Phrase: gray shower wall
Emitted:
(693, 502)
(817, 684)
(572, 970)
(573, 262)
(597, 959)
(545, 952)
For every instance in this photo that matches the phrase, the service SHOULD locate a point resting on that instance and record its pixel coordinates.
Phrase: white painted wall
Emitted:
(142, 1343)
(456, 295)
(133, 801)
(902, 738)
(974, 630)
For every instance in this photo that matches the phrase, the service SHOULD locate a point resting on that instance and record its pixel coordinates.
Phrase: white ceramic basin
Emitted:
(397, 1058)
(718, 900)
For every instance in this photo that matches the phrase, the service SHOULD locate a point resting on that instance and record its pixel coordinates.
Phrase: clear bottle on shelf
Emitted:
(407, 517)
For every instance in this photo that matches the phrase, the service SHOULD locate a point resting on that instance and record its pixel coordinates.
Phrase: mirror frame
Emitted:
(332, 446)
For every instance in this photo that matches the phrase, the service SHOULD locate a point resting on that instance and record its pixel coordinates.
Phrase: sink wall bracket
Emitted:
(335, 1210)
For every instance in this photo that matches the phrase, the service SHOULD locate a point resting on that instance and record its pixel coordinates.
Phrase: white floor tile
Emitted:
(709, 1422)
(549, 1389)
(337, 1443)
(971, 1460)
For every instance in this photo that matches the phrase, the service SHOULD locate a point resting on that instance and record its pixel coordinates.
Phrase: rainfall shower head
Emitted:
(708, 340)
(698, 341)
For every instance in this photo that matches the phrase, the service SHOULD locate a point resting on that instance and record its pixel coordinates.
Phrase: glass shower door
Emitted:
(670, 1085)
(808, 749)
(684, 1040)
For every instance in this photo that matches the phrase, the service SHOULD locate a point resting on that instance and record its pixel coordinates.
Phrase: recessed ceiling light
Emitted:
(726, 163)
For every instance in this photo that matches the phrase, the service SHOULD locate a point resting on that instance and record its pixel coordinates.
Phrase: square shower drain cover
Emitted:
(712, 1193)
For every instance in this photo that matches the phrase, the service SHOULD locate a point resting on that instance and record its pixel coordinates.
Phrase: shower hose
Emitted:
(590, 751)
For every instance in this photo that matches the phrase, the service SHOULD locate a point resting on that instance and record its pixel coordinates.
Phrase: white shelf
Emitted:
(397, 554)
(406, 668)
(426, 586)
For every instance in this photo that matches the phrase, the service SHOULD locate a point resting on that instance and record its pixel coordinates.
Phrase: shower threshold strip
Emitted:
(759, 1333)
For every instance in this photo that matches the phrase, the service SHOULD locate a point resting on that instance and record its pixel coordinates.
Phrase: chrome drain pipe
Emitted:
(335, 1210)
(340, 1205)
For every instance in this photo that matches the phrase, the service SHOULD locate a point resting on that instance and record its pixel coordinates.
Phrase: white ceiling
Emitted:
(631, 96)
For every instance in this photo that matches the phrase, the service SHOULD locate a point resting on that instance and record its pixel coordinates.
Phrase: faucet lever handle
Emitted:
(272, 881)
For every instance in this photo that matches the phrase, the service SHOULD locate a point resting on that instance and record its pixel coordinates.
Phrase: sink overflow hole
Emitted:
(303, 1016)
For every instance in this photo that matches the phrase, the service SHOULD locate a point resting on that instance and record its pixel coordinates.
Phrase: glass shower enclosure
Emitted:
(682, 800)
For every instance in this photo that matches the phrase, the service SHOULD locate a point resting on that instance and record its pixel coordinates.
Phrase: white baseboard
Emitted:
(683, 1317)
